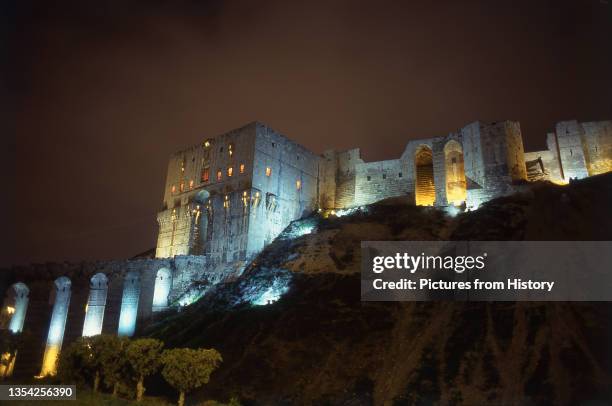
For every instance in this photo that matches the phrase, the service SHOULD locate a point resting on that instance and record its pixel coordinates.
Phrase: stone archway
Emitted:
(96, 304)
(425, 189)
(163, 284)
(55, 336)
(129, 304)
(455, 173)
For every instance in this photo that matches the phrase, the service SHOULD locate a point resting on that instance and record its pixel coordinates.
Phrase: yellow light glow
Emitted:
(268, 171)
(49, 366)
(10, 309)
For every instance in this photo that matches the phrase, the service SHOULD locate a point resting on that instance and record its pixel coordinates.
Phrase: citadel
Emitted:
(229, 196)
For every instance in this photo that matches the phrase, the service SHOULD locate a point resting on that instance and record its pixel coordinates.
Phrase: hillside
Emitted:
(319, 344)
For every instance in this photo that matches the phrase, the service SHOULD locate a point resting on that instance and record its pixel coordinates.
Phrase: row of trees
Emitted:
(119, 362)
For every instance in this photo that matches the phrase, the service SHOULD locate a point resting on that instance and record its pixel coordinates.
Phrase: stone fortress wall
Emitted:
(228, 197)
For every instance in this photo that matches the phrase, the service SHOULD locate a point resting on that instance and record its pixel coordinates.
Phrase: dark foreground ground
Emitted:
(319, 344)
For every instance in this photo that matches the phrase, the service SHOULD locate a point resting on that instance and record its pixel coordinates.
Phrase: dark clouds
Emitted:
(100, 95)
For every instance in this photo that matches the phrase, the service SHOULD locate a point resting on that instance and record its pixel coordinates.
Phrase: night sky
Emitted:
(97, 95)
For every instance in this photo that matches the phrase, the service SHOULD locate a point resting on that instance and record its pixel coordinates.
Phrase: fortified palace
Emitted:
(228, 197)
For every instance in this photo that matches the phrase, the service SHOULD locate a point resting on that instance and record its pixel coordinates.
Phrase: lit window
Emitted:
(230, 150)
(230, 171)
(226, 202)
(207, 144)
(173, 188)
(245, 198)
(183, 165)
(219, 174)
(191, 184)
(298, 184)
(182, 187)
(205, 174)
(241, 168)
(268, 171)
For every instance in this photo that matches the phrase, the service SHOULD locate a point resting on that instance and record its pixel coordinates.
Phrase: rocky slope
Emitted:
(319, 344)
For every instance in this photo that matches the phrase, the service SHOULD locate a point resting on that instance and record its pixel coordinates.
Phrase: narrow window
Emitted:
(219, 174)
(384, 176)
(230, 149)
(298, 184)
(241, 168)
(226, 202)
(369, 178)
(230, 171)
(399, 175)
(173, 189)
(273, 145)
(268, 171)
(182, 187)
(206, 174)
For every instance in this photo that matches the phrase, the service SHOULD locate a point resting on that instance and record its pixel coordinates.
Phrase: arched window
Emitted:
(96, 304)
(129, 304)
(455, 173)
(55, 337)
(163, 283)
(425, 190)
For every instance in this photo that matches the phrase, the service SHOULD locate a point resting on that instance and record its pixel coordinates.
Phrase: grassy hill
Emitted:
(319, 344)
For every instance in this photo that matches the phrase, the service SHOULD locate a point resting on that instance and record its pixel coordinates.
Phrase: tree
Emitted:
(81, 361)
(144, 355)
(186, 369)
(74, 363)
(98, 347)
(112, 359)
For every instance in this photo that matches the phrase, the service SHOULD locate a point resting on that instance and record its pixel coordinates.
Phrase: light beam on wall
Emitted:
(20, 294)
(96, 304)
(55, 336)
(129, 304)
(163, 283)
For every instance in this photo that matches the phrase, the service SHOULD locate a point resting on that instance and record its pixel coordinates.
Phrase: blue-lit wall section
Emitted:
(94, 312)
(55, 336)
(20, 292)
(129, 304)
(163, 283)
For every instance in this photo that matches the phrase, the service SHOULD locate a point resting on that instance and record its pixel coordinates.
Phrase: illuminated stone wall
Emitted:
(222, 166)
(96, 304)
(574, 151)
(375, 181)
(285, 177)
(597, 146)
(65, 301)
